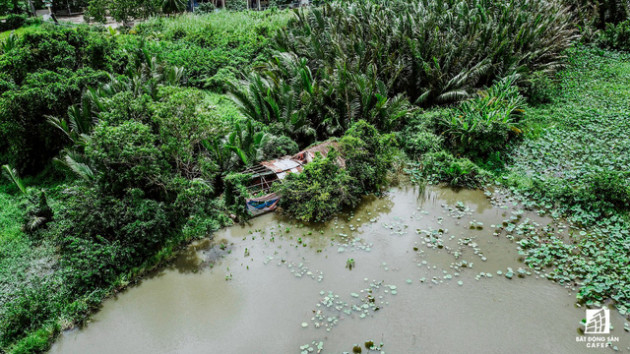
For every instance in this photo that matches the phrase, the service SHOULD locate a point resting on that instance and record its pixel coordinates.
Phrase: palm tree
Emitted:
(246, 143)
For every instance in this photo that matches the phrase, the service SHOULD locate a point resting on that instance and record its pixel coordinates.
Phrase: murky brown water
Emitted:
(424, 280)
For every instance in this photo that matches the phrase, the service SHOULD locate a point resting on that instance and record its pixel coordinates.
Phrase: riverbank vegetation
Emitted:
(120, 143)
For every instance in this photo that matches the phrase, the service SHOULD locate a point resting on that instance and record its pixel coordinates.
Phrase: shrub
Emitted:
(278, 146)
(125, 157)
(236, 5)
(47, 72)
(423, 142)
(598, 13)
(610, 187)
(32, 141)
(38, 341)
(319, 192)
(12, 22)
(123, 11)
(485, 123)
(460, 172)
(182, 124)
(148, 184)
(539, 88)
(616, 36)
(220, 81)
(28, 310)
(205, 44)
(368, 156)
(54, 49)
(100, 236)
(205, 8)
(417, 137)
(236, 193)
(38, 213)
(281, 3)
(125, 106)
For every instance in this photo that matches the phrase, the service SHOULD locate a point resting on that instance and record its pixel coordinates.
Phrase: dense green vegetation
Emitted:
(118, 145)
(579, 167)
(329, 184)
(140, 155)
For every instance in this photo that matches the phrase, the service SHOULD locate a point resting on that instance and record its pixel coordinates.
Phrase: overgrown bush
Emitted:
(599, 13)
(38, 213)
(485, 123)
(206, 44)
(599, 192)
(220, 81)
(205, 8)
(616, 36)
(147, 179)
(31, 141)
(236, 5)
(278, 146)
(12, 22)
(281, 3)
(55, 49)
(29, 309)
(438, 167)
(236, 193)
(539, 88)
(368, 156)
(124, 11)
(417, 136)
(126, 157)
(99, 235)
(322, 190)
(47, 71)
(608, 187)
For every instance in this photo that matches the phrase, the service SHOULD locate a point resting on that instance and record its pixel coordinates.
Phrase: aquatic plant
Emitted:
(350, 263)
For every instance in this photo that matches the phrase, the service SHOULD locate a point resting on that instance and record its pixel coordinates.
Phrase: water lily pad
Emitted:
(509, 274)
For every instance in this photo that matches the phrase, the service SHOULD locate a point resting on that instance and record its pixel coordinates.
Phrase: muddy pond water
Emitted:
(416, 271)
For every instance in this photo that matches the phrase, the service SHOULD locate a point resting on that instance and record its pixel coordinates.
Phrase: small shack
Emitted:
(265, 174)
